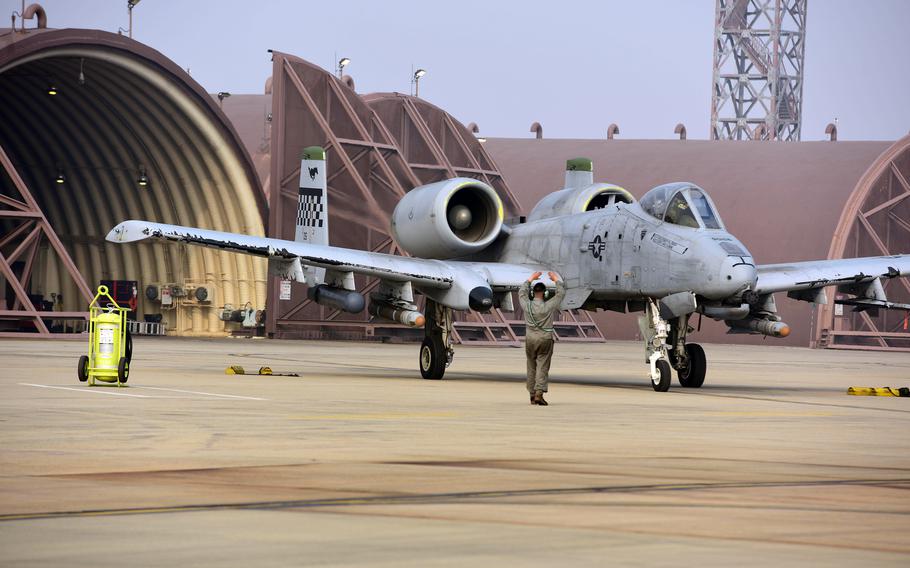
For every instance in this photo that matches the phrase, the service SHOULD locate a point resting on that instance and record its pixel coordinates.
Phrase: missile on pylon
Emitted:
(397, 314)
(758, 325)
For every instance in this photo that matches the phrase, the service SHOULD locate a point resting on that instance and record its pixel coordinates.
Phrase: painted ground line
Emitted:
(202, 393)
(85, 389)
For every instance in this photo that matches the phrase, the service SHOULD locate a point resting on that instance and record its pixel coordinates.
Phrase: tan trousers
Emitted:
(539, 351)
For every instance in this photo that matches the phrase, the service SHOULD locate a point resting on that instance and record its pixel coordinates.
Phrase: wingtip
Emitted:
(127, 232)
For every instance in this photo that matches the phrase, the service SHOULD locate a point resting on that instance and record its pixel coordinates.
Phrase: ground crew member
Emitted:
(539, 311)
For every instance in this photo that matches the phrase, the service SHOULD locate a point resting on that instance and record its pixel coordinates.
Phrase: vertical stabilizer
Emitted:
(312, 205)
(579, 172)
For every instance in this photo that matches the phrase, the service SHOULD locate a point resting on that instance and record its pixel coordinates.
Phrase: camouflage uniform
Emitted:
(539, 335)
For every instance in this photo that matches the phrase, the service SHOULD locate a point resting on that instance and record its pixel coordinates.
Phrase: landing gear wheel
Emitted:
(693, 375)
(433, 358)
(129, 346)
(663, 383)
(123, 370)
(82, 369)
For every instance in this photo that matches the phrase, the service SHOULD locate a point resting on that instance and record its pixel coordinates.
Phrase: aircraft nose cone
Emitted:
(738, 275)
(480, 299)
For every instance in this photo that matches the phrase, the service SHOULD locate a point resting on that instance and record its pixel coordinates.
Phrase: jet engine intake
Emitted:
(578, 200)
(448, 219)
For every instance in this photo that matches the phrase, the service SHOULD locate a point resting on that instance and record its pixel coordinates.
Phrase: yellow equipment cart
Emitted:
(110, 346)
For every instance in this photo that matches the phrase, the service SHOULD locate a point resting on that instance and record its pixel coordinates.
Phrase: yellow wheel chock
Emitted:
(263, 371)
(882, 391)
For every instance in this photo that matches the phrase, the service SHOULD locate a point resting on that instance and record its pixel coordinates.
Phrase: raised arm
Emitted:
(556, 300)
(524, 292)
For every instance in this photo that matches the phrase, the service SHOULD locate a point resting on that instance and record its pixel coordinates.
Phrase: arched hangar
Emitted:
(96, 128)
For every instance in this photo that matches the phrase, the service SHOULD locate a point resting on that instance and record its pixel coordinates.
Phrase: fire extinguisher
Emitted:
(110, 344)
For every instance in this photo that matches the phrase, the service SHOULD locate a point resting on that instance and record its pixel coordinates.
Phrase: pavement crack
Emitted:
(440, 498)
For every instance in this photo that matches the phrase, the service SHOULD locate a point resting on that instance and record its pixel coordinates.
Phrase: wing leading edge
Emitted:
(861, 277)
(425, 273)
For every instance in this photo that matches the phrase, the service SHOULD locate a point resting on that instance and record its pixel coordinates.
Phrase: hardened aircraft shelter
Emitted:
(96, 128)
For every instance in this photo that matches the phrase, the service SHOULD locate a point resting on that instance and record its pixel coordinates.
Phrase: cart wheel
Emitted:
(123, 370)
(129, 346)
(82, 369)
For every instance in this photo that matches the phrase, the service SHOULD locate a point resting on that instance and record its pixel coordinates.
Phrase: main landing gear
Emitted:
(666, 348)
(436, 350)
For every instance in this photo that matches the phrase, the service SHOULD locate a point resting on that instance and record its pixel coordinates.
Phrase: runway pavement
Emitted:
(359, 462)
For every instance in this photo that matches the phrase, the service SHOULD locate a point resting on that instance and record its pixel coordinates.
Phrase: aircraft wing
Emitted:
(860, 277)
(424, 273)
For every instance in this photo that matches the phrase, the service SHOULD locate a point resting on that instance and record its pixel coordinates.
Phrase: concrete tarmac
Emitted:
(360, 462)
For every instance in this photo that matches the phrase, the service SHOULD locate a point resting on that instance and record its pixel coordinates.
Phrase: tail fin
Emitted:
(312, 207)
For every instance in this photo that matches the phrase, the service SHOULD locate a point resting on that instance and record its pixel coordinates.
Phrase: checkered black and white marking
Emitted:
(310, 209)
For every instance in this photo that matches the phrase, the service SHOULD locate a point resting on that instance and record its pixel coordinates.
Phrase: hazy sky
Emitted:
(573, 66)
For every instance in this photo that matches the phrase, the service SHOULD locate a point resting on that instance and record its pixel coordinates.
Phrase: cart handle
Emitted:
(103, 292)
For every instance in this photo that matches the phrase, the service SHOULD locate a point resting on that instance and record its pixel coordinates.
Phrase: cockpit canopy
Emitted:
(682, 204)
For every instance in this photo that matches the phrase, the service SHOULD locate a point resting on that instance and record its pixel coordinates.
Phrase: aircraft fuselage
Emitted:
(622, 253)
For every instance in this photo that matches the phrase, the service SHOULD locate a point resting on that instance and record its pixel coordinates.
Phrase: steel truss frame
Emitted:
(29, 232)
(379, 147)
(759, 48)
(875, 222)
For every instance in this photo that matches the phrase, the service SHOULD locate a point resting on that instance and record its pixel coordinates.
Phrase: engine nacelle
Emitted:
(448, 219)
(578, 200)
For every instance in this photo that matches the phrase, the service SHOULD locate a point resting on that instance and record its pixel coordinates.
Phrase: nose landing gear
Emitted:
(655, 331)
(666, 348)
(436, 351)
(692, 373)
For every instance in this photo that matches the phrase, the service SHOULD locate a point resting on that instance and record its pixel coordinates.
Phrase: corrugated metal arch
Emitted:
(134, 108)
(875, 221)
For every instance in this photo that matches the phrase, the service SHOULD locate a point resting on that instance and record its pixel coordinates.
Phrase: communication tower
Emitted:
(759, 48)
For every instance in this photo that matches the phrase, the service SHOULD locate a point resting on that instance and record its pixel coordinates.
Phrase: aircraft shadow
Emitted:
(639, 382)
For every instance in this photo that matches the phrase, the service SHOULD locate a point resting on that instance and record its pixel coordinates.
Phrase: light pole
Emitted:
(130, 4)
(416, 80)
(342, 63)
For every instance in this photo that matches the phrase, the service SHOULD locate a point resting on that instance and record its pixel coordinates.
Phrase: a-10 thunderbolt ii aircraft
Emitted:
(668, 256)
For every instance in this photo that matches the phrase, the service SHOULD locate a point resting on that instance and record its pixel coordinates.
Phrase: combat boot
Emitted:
(538, 399)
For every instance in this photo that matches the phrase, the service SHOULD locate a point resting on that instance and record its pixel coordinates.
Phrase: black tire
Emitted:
(82, 369)
(432, 359)
(123, 370)
(129, 346)
(662, 384)
(693, 375)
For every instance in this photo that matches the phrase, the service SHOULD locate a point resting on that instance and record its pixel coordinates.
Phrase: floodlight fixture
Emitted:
(143, 179)
(342, 63)
(416, 80)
